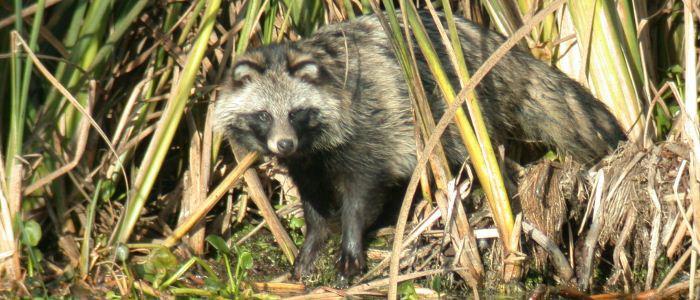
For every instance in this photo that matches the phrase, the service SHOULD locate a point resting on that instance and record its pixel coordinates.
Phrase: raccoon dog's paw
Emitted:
(303, 266)
(349, 265)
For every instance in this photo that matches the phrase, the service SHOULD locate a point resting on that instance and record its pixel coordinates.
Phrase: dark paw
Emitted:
(350, 265)
(303, 266)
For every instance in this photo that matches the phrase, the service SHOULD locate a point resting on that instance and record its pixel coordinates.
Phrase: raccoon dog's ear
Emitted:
(307, 70)
(244, 71)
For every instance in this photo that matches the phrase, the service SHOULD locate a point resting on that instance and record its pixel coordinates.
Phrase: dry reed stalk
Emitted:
(691, 130)
(226, 184)
(9, 253)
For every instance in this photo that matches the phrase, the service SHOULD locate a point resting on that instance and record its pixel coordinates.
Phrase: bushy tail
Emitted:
(578, 124)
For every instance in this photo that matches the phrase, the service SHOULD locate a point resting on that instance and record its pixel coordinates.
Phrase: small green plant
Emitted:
(407, 291)
(436, 284)
(296, 223)
(243, 264)
(160, 262)
(31, 235)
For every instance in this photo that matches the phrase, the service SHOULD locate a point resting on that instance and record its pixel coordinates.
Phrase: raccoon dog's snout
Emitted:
(282, 140)
(282, 147)
(285, 146)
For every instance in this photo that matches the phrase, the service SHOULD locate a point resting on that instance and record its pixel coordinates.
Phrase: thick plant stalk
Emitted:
(498, 202)
(120, 27)
(691, 126)
(257, 194)
(691, 84)
(11, 185)
(244, 35)
(165, 132)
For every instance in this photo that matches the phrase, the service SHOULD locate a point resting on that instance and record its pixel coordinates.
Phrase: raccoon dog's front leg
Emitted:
(316, 198)
(361, 204)
(316, 236)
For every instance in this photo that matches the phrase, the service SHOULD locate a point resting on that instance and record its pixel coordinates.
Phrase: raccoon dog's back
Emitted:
(522, 98)
(334, 108)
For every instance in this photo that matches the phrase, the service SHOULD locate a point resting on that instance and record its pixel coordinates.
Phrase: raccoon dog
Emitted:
(334, 109)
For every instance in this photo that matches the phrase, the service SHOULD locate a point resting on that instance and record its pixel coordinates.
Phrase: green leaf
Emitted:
(550, 155)
(38, 255)
(162, 259)
(31, 233)
(407, 291)
(436, 283)
(245, 260)
(296, 223)
(108, 190)
(675, 69)
(218, 243)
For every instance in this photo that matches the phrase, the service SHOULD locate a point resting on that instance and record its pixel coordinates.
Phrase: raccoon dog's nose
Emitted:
(285, 146)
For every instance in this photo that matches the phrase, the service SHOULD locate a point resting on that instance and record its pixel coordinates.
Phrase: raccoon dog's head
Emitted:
(280, 100)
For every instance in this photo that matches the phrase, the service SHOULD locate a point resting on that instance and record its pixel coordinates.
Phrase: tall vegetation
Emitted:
(106, 146)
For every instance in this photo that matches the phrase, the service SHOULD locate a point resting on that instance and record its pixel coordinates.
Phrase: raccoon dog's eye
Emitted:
(294, 114)
(299, 114)
(263, 116)
(305, 116)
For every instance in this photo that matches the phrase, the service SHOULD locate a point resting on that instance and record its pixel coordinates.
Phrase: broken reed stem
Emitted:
(655, 224)
(559, 260)
(257, 194)
(195, 191)
(226, 184)
(417, 231)
(365, 288)
(668, 292)
(9, 208)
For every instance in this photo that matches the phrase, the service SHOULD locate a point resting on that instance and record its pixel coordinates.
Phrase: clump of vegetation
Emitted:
(113, 184)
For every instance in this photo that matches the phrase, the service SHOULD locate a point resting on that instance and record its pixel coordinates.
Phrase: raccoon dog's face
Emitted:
(280, 101)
